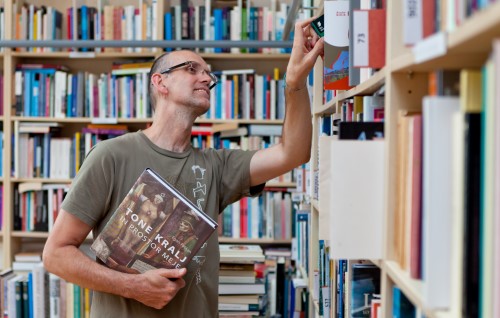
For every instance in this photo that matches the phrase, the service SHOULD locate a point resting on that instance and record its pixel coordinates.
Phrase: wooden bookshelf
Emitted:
(99, 62)
(405, 81)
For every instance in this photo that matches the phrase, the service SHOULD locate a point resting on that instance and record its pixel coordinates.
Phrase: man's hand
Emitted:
(156, 288)
(307, 46)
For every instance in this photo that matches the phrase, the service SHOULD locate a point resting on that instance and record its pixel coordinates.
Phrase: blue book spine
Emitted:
(218, 26)
(84, 24)
(27, 88)
(74, 95)
(46, 156)
(35, 94)
(168, 28)
(30, 295)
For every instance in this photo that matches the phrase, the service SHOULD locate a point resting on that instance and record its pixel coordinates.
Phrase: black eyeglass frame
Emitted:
(212, 76)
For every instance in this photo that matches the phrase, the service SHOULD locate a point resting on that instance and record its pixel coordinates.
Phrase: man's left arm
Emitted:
(295, 146)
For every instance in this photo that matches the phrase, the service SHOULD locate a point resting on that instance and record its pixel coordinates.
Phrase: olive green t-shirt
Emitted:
(211, 179)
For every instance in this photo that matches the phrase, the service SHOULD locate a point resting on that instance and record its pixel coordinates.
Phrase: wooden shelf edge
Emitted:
(40, 180)
(412, 288)
(83, 55)
(477, 25)
(469, 43)
(152, 54)
(85, 120)
(223, 239)
(367, 87)
(315, 204)
(43, 235)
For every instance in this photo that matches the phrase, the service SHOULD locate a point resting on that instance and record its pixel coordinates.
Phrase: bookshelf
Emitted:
(100, 61)
(405, 81)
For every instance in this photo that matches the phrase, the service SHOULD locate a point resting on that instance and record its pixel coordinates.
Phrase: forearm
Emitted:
(74, 266)
(297, 126)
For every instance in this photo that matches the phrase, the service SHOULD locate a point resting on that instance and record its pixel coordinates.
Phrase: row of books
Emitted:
(421, 19)
(454, 135)
(346, 288)
(39, 151)
(37, 205)
(271, 215)
(110, 22)
(241, 22)
(30, 291)
(51, 91)
(138, 22)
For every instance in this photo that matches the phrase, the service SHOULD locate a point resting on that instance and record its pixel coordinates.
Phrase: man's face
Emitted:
(189, 85)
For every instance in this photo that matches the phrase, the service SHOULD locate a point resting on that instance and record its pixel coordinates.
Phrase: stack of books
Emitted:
(240, 289)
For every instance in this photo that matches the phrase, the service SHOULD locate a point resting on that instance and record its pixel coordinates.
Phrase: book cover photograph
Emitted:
(155, 226)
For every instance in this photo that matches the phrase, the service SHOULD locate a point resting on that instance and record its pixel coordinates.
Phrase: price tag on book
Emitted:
(98, 120)
(79, 55)
(431, 47)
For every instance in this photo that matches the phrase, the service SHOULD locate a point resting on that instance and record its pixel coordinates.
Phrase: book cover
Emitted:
(365, 284)
(336, 69)
(155, 226)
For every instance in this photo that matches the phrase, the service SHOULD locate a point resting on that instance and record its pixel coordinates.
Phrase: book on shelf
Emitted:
(239, 299)
(336, 68)
(28, 257)
(369, 38)
(141, 236)
(401, 306)
(257, 288)
(364, 285)
(361, 130)
(236, 273)
(240, 253)
(437, 210)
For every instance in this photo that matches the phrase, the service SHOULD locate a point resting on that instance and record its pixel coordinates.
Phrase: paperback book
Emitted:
(155, 226)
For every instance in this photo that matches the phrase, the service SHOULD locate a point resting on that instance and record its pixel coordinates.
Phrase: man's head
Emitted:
(181, 77)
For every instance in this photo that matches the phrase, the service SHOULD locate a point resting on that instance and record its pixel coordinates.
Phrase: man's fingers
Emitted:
(172, 273)
(302, 24)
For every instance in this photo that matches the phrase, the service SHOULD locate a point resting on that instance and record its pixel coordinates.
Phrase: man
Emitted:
(212, 179)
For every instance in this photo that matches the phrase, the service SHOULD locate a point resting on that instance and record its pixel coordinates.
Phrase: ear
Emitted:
(159, 83)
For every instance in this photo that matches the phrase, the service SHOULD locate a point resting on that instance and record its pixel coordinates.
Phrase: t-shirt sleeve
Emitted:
(235, 176)
(89, 195)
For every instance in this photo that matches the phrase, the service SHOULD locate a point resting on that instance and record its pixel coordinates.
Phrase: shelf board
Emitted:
(223, 239)
(112, 55)
(97, 55)
(43, 235)
(241, 121)
(467, 46)
(85, 120)
(40, 180)
(315, 205)
(412, 288)
(280, 185)
(246, 56)
(304, 274)
(367, 87)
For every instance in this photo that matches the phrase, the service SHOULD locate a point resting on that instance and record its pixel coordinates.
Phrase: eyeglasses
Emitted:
(194, 68)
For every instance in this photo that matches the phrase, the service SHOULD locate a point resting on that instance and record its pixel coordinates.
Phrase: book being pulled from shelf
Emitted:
(155, 226)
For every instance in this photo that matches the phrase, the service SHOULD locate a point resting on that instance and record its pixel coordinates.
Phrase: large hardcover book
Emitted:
(437, 212)
(143, 234)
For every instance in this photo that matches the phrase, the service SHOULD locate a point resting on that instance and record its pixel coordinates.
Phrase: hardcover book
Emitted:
(155, 226)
